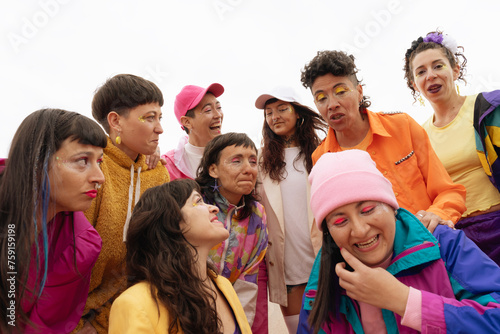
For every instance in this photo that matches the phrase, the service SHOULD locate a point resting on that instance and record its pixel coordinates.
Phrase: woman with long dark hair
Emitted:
(173, 288)
(48, 247)
(380, 271)
(290, 136)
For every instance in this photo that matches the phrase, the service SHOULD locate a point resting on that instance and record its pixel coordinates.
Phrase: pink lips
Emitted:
(215, 220)
(91, 193)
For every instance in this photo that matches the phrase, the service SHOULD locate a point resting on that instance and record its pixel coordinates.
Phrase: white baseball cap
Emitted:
(283, 93)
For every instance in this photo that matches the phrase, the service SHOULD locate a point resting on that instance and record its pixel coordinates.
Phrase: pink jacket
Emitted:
(176, 165)
(63, 298)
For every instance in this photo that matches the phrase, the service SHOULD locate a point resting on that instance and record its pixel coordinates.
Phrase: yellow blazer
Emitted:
(135, 311)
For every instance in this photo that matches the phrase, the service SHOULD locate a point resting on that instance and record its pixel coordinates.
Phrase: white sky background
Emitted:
(55, 53)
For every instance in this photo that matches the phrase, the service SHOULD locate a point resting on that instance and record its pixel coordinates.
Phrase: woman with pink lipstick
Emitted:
(48, 247)
(173, 288)
(129, 109)
(227, 176)
(289, 138)
(462, 132)
(398, 145)
(380, 271)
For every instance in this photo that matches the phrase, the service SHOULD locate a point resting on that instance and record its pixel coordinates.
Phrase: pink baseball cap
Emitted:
(191, 95)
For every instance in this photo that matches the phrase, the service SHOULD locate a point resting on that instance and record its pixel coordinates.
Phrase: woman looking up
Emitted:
(173, 287)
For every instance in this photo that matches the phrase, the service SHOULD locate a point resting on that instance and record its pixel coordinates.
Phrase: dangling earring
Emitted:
(458, 90)
(300, 121)
(215, 187)
(421, 100)
(118, 139)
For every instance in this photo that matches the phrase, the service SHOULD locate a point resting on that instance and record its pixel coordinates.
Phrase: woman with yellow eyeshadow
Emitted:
(399, 146)
(432, 65)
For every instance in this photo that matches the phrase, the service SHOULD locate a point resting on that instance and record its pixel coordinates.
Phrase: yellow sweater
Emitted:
(136, 312)
(108, 214)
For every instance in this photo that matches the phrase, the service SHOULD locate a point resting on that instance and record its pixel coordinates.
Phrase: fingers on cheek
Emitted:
(339, 267)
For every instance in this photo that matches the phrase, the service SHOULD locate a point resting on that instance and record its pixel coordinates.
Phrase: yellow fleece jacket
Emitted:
(108, 214)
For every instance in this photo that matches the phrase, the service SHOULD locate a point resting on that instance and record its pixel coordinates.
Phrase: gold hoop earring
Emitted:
(458, 90)
(421, 100)
(118, 139)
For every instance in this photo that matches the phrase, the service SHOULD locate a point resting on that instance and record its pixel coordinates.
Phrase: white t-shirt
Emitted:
(299, 253)
(194, 155)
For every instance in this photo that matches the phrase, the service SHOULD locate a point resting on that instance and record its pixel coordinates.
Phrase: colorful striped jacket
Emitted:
(238, 257)
(487, 127)
(460, 285)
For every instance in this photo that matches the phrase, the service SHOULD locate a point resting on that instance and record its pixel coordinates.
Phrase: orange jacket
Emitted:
(402, 151)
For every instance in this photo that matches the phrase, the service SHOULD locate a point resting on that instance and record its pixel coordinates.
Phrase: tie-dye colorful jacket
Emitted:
(238, 257)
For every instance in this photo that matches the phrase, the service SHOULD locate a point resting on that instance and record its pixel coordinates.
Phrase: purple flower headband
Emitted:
(434, 37)
(445, 40)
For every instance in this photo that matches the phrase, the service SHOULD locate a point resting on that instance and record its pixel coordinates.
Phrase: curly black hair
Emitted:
(338, 63)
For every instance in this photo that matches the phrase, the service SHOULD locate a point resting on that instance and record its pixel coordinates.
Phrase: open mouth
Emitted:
(215, 127)
(336, 116)
(434, 88)
(368, 243)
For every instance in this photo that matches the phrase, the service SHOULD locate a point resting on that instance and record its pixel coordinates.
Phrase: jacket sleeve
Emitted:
(475, 280)
(448, 198)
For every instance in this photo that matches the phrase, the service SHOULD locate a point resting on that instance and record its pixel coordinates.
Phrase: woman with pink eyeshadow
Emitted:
(381, 272)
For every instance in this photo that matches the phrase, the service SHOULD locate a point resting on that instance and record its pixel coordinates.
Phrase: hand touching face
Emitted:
(374, 286)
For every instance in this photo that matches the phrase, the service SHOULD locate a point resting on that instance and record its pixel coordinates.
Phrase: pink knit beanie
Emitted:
(346, 177)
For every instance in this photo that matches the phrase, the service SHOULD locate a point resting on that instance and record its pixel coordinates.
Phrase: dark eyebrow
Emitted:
(153, 112)
(433, 62)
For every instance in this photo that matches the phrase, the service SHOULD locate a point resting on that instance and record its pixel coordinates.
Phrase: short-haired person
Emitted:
(227, 177)
(48, 247)
(129, 109)
(383, 272)
(200, 114)
(173, 288)
(463, 131)
(398, 144)
(290, 136)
